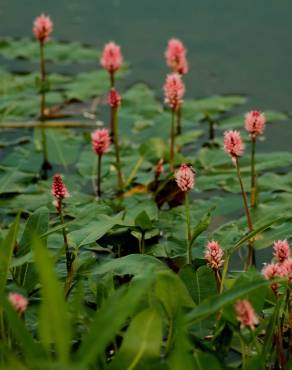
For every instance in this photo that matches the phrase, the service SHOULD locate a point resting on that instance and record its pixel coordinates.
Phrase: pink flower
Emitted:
(281, 250)
(273, 270)
(245, 314)
(100, 140)
(18, 301)
(255, 122)
(174, 90)
(114, 98)
(159, 169)
(175, 55)
(214, 255)
(59, 190)
(287, 265)
(111, 58)
(42, 27)
(185, 178)
(233, 144)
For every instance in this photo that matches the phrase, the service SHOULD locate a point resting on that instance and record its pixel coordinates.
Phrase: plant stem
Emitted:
(98, 177)
(211, 128)
(253, 195)
(46, 164)
(218, 279)
(225, 270)
(178, 120)
(69, 257)
(251, 254)
(172, 138)
(243, 352)
(117, 150)
(142, 243)
(189, 232)
(112, 79)
(289, 308)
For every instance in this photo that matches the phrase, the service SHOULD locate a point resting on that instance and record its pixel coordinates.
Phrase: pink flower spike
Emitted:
(281, 250)
(255, 123)
(175, 55)
(233, 144)
(18, 301)
(114, 98)
(174, 90)
(42, 27)
(245, 314)
(287, 265)
(100, 141)
(214, 255)
(185, 178)
(111, 58)
(59, 190)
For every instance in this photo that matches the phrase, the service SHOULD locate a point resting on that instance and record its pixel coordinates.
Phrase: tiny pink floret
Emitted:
(281, 250)
(255, 123)
(233, 144)
(18, 301)
(175, 55)
(174, 90)
(114, 98)
(245, 314)
(214, 255)
(100, 141)
(185, 178)
(111, 58)
(42, 27)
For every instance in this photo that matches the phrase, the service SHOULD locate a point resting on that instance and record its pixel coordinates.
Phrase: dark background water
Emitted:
(234, 46)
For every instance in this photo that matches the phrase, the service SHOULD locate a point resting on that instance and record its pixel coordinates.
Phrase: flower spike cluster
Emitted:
(111, 58)
(175, 56)
(59, 191)
(42, 27)
(185, 178)
(245, 314)
(100, 141)
(174, 90)
(214, 255)
(18, 301)
(233, 144)
(255, 123)
(282, 268)
(114, 98)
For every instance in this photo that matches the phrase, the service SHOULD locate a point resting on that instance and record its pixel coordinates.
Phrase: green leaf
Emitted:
(120, 306)
(202, 225)
(143, 222)
(142, 342)
(54, 326)
(6, 252)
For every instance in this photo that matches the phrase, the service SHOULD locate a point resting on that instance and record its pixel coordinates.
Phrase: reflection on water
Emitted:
(234, 46)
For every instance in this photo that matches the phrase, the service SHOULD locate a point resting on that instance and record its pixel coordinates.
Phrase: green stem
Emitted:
(69, 256)
(46, 165)
(224, 274)
(117, 150)
(98, 177)
(218, 279)
(253, 197)
(112, 79)
(243, 352)
(251, 254)
(172, 138)
(178, 120)
(189, 232)
(142, 243)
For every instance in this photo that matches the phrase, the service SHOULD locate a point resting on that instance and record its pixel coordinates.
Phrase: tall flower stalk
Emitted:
(233, 145)
(42, 28)
(176, 59)
(114, 100)
(60, 192)
(111, 60)
(174, 90)
(255, 122)
(185, 180)
(100, 141)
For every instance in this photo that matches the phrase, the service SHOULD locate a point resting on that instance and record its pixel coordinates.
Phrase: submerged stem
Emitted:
(189, 232)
